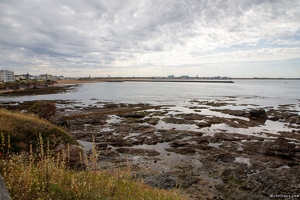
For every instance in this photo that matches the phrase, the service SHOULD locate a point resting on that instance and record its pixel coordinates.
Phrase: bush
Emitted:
(43, 109)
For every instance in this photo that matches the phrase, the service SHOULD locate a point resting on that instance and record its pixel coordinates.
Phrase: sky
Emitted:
(100, 38)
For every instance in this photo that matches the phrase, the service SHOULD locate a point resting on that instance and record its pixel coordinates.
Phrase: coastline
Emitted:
(63, 82)
(182, 80)
(97, 80)
(210, 156)
(210, 146)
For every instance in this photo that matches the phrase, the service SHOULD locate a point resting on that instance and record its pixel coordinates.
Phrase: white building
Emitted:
(20, 77)
(45, 77)
(7, 76)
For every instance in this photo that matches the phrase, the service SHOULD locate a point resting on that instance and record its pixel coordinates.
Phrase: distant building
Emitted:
(7, 76)
(20, 77)
(171, 76)
(184, 77)
(45, 77)
(24, 77)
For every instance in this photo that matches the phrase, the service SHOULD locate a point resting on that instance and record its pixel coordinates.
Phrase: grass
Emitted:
(24, 129)
(39, 174)
(45, 176)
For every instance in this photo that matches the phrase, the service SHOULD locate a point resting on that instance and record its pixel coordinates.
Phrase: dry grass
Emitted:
(25, 129)
(44, 176)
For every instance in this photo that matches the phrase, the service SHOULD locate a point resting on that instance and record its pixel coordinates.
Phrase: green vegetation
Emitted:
(27, 83)
(43, 109)
(39, 174)
(24, 129)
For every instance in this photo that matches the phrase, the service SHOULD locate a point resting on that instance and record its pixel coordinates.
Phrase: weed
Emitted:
(48, 177)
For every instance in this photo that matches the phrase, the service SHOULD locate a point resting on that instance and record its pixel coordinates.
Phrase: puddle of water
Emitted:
(86, 145)
(219, 114)
(251, 131)
(113, 119)
(243, 160)
(283, 167)
(177, 110)
(106, 129)
(216, 145)
(166, 126)
(166, 160)
(131, 135)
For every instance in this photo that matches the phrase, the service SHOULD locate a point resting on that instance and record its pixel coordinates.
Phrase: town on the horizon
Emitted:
(10, 76)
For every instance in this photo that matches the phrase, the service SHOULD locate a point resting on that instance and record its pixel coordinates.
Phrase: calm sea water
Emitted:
(257, 92)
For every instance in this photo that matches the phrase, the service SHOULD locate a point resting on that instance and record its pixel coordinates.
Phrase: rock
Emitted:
(75, 160)
(178, 144)
(202, 140)
(203, 124)
(182, 150)
(102, 146)
(273, 118)
(232, 112)
(226, 157)
(284, 149)
(153, 121)
(206, 167)
(59, 121)
(187, 180)
(117, 142)
(258, 114)
(161, 181)
(136, 151)
(284, 116)
(4, 195)
(132, 115)
(43, 109)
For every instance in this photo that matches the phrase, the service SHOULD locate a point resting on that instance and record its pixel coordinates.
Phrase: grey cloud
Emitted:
(106, 34)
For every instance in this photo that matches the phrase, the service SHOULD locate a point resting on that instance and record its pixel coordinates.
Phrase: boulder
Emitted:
(43, 109)
(138, 152)
(4, 195)
(258, 114)
(162, 181)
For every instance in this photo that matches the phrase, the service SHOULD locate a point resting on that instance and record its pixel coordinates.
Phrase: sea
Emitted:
(188, 97)
(244, 93)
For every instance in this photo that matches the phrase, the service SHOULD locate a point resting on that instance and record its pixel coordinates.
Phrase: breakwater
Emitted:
(181, 80)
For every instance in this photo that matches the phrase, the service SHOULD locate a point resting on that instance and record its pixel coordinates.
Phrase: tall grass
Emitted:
(41, 175)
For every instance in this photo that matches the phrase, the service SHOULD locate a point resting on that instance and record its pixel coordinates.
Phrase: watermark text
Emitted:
(289, 196)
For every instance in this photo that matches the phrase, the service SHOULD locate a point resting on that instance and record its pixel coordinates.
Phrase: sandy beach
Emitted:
(4, 91)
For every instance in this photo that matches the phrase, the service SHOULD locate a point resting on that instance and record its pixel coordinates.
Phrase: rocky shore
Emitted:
(38, 91)
(210, 149)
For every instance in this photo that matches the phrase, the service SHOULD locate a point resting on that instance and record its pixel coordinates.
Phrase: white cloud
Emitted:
(128, 37)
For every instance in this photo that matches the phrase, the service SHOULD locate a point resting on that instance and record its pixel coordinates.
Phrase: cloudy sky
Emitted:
(236, 38)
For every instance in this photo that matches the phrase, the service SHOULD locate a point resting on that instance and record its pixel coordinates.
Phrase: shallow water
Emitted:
(195, 98)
